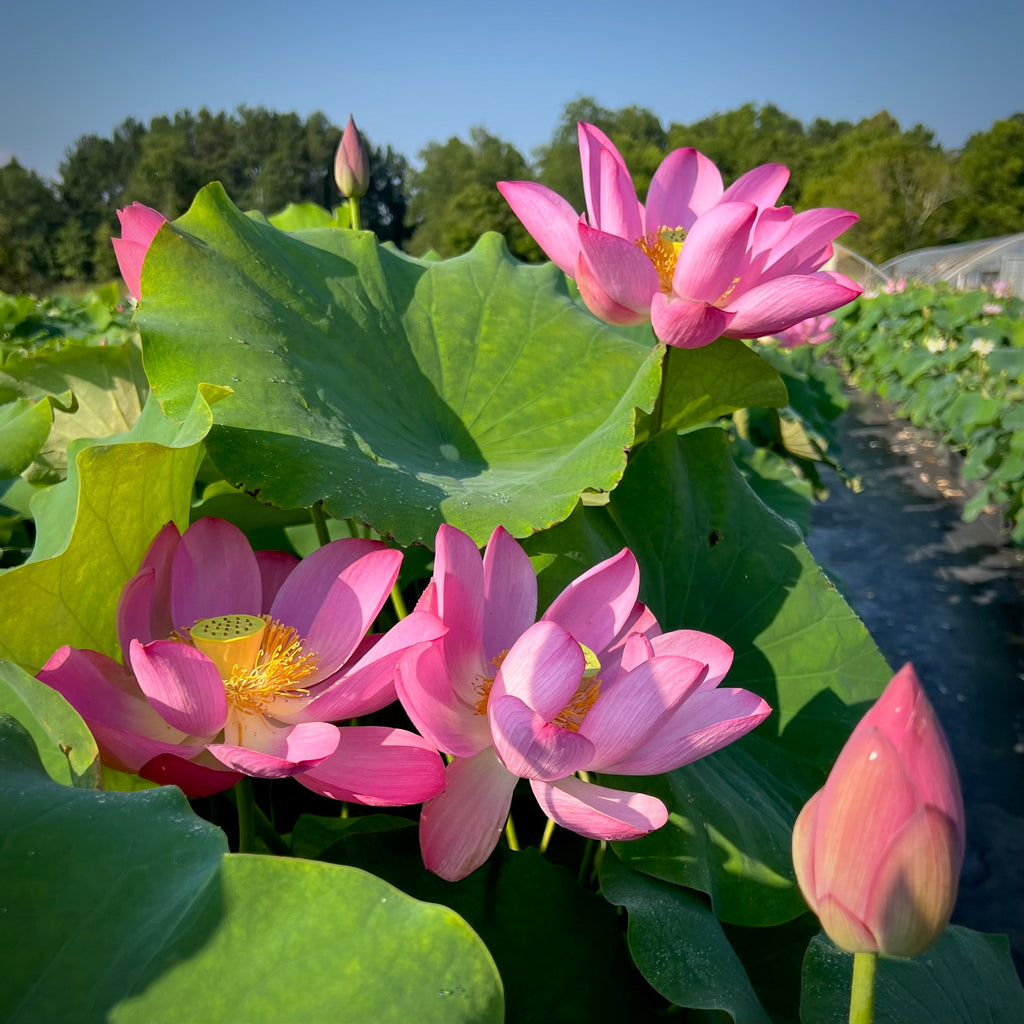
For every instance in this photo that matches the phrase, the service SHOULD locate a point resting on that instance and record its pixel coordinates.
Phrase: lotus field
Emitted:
(395, 639)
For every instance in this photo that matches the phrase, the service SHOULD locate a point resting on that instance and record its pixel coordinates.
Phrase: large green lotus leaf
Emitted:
(403, 393)
(679, 946)
(93, 530)
(713, 557)
(24, 427)
(558, 947)
(65, 745)
(96, 391)
(300, 216)
(124, 907)
(967, 977)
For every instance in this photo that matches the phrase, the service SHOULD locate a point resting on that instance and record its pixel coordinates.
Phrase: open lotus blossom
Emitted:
(699, 260)
(594, 686)
(139, 225)
(878, 850)
(238, 663)
(814, 331)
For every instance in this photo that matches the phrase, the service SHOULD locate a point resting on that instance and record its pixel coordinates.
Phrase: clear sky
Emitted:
(413, 73)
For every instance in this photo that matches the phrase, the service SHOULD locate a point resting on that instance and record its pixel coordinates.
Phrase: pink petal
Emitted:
(761, 186)
(425, 689)
(182, 684)
(367, 685)
(129, 751)
(691, 643)
(598, 812)
(914, 888)
(532, 748)
(706, 722)
(594, 144)
(713, 256)
(301, 595)
(784, 301)
(461, 826)
(620, 268)
(633, 704)
(685, 186)
(543, 669)
(620, 211)
(101, 690)
(595, 607)
(347, 610)
(282, 752)
(510, 593)
(144, 607)
(844, 927)
(809, 233)
(275, 568)
(804, 831)
(600, 303)
(866, 784)
(194, 780)
(214, 572)
(139, 225)
(687, 324)
(550, 220)
(380, 767)
(459, 592)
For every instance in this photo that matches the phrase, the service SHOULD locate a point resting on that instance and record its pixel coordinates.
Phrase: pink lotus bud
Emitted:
(351, 164)
(139, 225)
(878, 850)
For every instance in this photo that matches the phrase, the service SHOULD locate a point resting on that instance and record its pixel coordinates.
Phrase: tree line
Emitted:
(908, 190)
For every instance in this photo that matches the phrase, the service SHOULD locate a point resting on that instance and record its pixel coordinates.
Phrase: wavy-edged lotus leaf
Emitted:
(94, 528)
(403, 393)
(126, 907)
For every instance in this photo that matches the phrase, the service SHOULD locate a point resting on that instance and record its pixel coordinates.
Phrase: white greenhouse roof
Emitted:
(966, 265)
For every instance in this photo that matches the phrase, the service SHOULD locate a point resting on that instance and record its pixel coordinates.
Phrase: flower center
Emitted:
(259, 659)
(572, 715)
(663, 249)
(483, 685)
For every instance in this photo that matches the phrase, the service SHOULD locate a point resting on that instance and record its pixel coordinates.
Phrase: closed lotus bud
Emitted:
(351, 164)
(878, 850)
(139, 225)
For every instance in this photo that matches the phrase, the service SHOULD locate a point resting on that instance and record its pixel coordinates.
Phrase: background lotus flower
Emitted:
(139, 225)
(239, 663)
(814, 331)
(878, 850)
(593, 686)
(698, 261)
(351, 164)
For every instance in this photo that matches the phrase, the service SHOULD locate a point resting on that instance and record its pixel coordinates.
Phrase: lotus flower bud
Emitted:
(139, 225)
(878, 850)
(351, 164)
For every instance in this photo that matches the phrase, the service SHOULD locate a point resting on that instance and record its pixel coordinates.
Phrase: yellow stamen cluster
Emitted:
(663, 249)
(572, 715)
(259, 659)
(483, 685)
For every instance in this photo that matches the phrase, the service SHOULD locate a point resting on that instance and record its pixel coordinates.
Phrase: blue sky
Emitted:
(422, 72)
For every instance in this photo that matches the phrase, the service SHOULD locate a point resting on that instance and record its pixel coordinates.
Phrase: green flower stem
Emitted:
(549, 831)
(510, 834)
(398, 602)
(269, 834)
(353, 206)
(658, 415)
(245, 805)
(316, 514)
(862, 988)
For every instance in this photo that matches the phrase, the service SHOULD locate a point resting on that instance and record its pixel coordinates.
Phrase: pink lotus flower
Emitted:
(878, 850)
(139, 225)
(594, 686)
(895, 286)
(698, 261)
(239, 662)
(351, 164)
(815, 331)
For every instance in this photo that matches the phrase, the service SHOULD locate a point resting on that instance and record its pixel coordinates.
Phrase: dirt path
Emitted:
(948, 596)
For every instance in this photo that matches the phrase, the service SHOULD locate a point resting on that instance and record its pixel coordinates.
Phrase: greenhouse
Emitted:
(966, 266)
